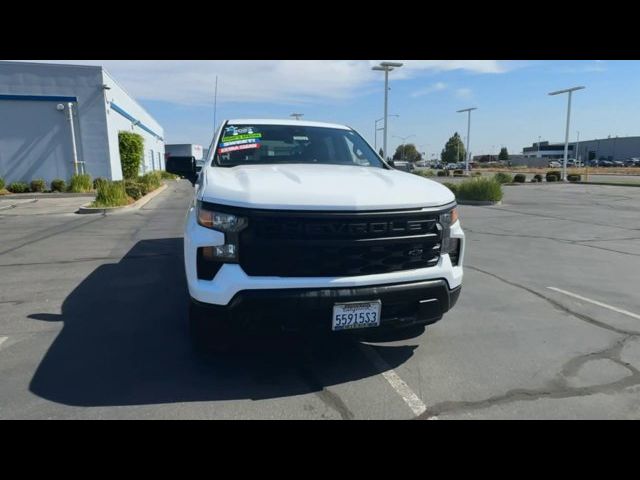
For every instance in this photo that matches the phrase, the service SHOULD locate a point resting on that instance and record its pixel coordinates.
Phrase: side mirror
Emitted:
(183, 166)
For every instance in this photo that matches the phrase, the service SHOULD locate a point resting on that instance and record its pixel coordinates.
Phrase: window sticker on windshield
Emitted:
(234, 148)
(233, 130)
(240, 142)
(245, 136)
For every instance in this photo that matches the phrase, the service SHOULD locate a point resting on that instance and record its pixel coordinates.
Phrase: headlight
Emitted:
(211, 257)
(449, 245)
(224, 222)
(449, 218)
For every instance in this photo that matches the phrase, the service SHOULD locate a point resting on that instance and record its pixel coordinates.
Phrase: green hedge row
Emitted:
(478, 189)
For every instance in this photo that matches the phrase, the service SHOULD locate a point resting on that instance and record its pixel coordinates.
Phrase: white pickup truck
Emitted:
(302, 226)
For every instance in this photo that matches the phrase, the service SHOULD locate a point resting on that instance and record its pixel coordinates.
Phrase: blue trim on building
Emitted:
(38, 98)
(134, 120)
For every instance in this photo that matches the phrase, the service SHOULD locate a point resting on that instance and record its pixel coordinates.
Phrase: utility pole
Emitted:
(386, 67)
(215, 104)
(566, 135)
(468, 110)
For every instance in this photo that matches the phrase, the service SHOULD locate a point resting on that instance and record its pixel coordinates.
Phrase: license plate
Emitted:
(347, 316)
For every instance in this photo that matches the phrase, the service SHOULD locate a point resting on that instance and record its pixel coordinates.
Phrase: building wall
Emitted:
(125, 114)
(35, 138)
(621, 148)
(35, 141)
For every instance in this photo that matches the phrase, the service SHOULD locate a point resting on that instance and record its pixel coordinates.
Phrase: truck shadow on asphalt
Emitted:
(125, 342)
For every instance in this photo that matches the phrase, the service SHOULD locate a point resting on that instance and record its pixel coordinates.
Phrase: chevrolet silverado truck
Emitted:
(301, 225)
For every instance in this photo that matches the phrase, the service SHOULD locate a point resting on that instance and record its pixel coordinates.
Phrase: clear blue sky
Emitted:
(511, 96)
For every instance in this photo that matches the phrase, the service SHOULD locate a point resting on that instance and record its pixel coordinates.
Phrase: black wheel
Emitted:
(208, 334)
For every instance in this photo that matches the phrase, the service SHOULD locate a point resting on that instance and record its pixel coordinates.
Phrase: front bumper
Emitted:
(404, 304)
(232, 280)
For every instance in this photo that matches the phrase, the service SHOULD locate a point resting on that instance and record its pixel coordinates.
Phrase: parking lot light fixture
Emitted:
(566, 135)
(468, 110)
(386, 67)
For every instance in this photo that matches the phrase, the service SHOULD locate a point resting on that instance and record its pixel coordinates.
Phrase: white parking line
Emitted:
(595, 302)
(2, 339)
(410, 398)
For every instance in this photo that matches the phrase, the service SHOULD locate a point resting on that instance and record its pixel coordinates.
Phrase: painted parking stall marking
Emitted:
(409, 396)
(2, 340)
(595, 302)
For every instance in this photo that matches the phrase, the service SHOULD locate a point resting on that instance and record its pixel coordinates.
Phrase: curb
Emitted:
(478, 203)
(35, 196)
(85, 210)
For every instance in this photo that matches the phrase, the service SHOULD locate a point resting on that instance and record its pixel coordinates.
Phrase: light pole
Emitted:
(468, 110)
(386, 67)
(375, 132)
(404, 139)
(566, 135)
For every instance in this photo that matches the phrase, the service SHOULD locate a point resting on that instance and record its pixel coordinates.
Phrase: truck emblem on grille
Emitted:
(416, 252)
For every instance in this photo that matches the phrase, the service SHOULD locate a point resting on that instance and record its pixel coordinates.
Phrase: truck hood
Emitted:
(320, 187)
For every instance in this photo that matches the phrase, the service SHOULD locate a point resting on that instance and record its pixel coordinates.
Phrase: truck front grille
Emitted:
(339, 244)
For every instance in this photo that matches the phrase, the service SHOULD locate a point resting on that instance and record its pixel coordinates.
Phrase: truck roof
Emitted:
(276, 121)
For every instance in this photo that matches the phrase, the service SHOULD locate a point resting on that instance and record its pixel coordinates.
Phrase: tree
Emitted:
(407, 152)
(453, 151)
(381, 152)
(504, 154)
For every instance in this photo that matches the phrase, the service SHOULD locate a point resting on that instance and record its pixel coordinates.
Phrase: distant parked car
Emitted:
(554, 164)
(404, 166)
(605, 163)
(618, 163)
(632, 162)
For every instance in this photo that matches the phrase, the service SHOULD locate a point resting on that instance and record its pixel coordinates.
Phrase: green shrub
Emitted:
(476, 174)
(1, 183)
(38, 185)
(135, 190)
(131, 146)
(80, 183)
(537, 177)
(443, 173)
(18, 187)
(170, 176)
(552, 178)
(520, 178)
(574, 177)
(111, 194)
(97, 180)
(480, 189)
(534, 180)
(451, 186)
(58, 185)
(422, 173)
(458, 172)
(502, 177)
(151, 180)
(555, 173)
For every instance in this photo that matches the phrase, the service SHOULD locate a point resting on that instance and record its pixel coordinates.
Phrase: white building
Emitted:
(59, 119)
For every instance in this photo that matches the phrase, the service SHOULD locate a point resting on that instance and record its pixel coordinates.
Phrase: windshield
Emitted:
(268, 144)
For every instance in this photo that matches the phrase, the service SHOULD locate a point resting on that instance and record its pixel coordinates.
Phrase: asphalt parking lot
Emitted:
(92, 322)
